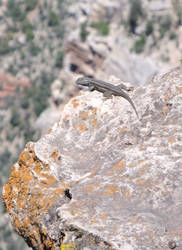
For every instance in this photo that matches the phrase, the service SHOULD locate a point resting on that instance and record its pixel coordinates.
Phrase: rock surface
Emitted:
(101, 178)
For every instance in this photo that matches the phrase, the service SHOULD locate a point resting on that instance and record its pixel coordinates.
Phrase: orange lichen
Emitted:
(172, 139)
(37, 167)
(123, 129)
(49, 180)
(179, 89)
(49, 131)
(55, 155)
(143, 169)
(140, 181)
(110, 189)
(75, 103)
(127, 193)
(66, 117)
(94, 121)
(28, 196)
(103, 217)
(133, 165)
(59, 191)
(119, 166)
(24, 156)
(175, 233)
(133, 219)
(93, 172)
(93, 221)
(114, 228)
(82, 127)
(89, 189)
(84, 115)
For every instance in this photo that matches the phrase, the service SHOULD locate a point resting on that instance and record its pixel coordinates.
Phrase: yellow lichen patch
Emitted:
(123, 129)
(18, 224)
(94, 121)
(37, 167)
(172, 140)
(84, 115)
(47, 202)
(26, 178)
(75, 103)
(54, 155)
(28, 196)
(30, 162)
(49, 243)
(111, 189)
(82, 127)
(119, 166)
(24, 156)
(59, 191)
(68, 246)
(48, 180)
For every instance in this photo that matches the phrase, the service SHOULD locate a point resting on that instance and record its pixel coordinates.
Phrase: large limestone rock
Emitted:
(101, 178)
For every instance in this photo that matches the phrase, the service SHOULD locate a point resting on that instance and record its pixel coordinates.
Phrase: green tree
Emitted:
(136, 12)
(178, 10)
(84, 33)
(102, 27)
(149, 28)
(15, 117)
(30, 4)
(15, 11)
(27, 28)
(53, 19)
(59, 59)
(139, 44)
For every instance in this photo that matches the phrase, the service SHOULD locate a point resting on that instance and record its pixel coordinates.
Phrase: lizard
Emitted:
(106, 88)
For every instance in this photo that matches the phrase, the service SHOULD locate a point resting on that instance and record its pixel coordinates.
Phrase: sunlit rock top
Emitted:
(102, 178)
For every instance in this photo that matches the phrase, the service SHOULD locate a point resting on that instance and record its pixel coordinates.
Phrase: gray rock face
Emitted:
(133, 68)
(121, 176)
(125, 173)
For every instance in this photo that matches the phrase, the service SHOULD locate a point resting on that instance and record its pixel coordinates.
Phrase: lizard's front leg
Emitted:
(91, 87)
(107, 94)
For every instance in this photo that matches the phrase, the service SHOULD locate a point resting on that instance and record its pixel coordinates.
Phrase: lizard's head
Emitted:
(83, 81)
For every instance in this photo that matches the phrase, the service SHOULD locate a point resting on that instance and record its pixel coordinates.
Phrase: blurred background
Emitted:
(46, 44)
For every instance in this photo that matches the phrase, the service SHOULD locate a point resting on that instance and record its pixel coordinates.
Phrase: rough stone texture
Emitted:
(102, 179)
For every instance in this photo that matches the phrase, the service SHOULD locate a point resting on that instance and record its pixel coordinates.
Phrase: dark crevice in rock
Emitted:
(67, 193)
(73, 67)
